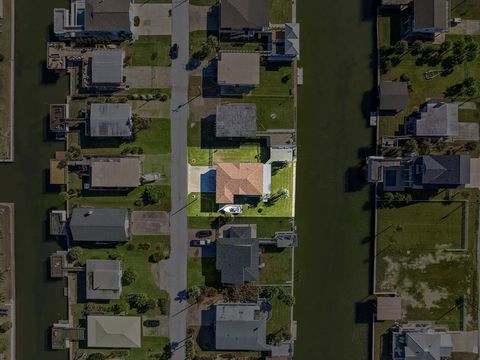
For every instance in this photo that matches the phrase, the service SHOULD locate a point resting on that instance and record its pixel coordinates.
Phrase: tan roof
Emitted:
(389, 308)
(238, 179)
(114, 331)
(239, 68)
(57, 173)
(116, 172)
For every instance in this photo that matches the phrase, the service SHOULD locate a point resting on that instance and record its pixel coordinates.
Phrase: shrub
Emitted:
(114, 255)
(129, 276)
(404, 77)
(163, 305)
(75, 253)
(417, 47)
(269, 292)
(400, 47)
(142, 303)
(471, 146)
(2, 57)
(4, 327)
(96, 356)
(155, 257)
(152, 194)
(119, 308)
(194, 292)
(130, 247)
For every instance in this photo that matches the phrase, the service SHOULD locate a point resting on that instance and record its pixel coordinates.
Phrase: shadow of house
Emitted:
(355, 179)
(206, 338)
(213, 20)
(210, 88)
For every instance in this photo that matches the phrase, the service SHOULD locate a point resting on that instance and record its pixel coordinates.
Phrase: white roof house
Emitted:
(114, 331)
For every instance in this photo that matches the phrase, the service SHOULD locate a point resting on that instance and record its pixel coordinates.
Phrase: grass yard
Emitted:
(466, 9)
(423, 89)
(280, 317)
(280, 11)
(148, 50)
(198, 38)
(282, 107)
(203, 2)
(275, 80)
(278, 266)
(384, 23)
(413, 259)
(5, 81)
(202, 272)
(245, 153)
(266, 227)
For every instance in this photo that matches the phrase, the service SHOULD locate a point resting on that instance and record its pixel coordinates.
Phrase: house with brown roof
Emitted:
(115, 172)
(431, 16)
(238, 72)
(242, 179)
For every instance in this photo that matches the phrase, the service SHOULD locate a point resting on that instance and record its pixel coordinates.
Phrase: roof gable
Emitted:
(244, 14)
(238, 179)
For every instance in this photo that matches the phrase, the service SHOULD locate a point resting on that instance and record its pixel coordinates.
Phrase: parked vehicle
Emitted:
(151, 323)
(201, 242)
(174, 51)
(231, 209)
(203, 233)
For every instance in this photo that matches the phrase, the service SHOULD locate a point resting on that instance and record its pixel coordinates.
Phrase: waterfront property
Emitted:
(107, 68)
(114, 331)
(431, 16)
(238, 16)
(393, 96)
(420, 172)
(241, 180)
(115, 173)
(110, 120)
(104, 279)
(236, 120)
(100, 225)
(238, 72)
(112, 19)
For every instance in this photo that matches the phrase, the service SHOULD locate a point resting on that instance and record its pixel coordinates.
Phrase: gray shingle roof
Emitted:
(237, 259)
(442, 170)
(244, 14)
(292, 39)
(240, 327)
(103, 279)
(107, 66)
(107, 15)
(431, 14)
(393, 95)
(115, 172)
(110, 120)
(99, 225)
(438, 119)
(236, 120)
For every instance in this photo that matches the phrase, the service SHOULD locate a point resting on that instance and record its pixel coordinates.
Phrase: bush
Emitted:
(75, 253)
(2, 57)
(194, 292)
(130, 247)
(269, 292)
(152, 194)
(400, 47)
(471, 146)
(142, 303)
(119, 308)
(129, 276)
(4, 327)
(155, 257)
(404, 77)
(285, 297)
(97, 356)
(115, 255)
(143, 246)
(163, 305)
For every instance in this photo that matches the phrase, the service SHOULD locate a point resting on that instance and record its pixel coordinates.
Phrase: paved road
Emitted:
(176, 266)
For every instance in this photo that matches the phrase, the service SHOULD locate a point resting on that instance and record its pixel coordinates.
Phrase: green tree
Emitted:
(121, 307)
(400, 47)
(4, 327)
(152, 194)
(129, 277)
(194, 292)
(417, 47)
(75, 253)
(156, 257)
(142, 302)
(411, 146)
(471, 146)
(445, 46)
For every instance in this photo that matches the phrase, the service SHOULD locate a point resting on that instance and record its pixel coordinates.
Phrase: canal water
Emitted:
(333, 209)
(40, 301)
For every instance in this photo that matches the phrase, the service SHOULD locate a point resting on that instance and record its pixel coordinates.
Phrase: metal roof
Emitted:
(109, 120)
(240, 327)
(431, 14)
(107, 66)
(236, 120)
(103, 279)
(99, 224)
(244, 14)
(238, 260)
(114, 331)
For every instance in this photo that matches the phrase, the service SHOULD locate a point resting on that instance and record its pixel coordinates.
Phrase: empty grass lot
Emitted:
(278, 265)
(413, 260)
(198, 38)
(280, 316)
(423, 89)
(148, 50)
(466, 9)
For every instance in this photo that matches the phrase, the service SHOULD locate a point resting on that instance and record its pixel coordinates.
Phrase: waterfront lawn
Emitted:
(280, 316)
(266, 226)
(244, 153)
(5, 81)
(202, 272)
(423, 89)
(413, 258)
(282, 107)
(278, 265)
(148, 50)
(280, 11)
(384, 31)
(275, 80)
(466, 9)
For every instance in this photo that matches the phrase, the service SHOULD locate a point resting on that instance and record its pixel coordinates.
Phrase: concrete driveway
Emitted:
(201, 178)
(467, 27)
(150, 223)
(147, 77)
(474, 174)
(154, 19)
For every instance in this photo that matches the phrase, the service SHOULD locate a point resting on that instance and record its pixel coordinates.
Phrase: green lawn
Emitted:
(423, 89)
(280, 317)
(275, 80)
(148, 50)
(244, 153)
(278, 266)
(280, 11)
(203, 2)
(384, 31)
(413, 260)
(202, 272)
(466, 9)
(281, 107)
(198, 38)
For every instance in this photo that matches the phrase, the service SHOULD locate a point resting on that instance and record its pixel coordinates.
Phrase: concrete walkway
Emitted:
(174, 271)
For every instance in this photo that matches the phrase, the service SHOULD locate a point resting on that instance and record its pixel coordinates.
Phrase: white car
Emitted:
(231, 209)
